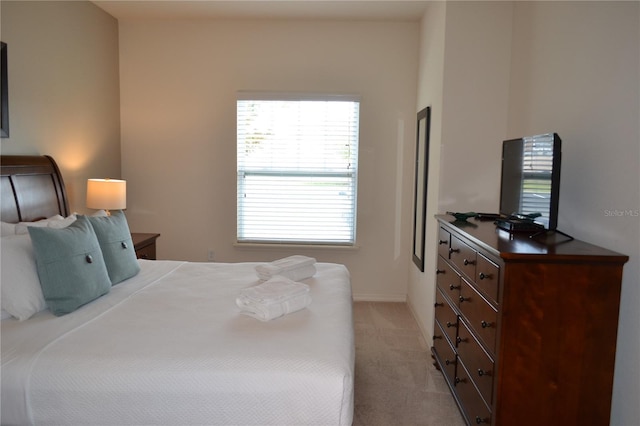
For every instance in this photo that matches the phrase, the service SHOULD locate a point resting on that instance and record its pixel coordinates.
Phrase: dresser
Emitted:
(525, 329)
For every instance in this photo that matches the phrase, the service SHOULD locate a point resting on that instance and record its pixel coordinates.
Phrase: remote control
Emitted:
(488, 216)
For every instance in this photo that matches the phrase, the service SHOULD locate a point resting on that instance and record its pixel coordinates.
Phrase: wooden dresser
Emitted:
(525, 331)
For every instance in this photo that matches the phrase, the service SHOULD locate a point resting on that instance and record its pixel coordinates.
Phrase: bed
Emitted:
(169, 345)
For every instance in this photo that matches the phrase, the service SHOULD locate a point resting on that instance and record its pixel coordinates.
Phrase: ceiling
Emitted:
(394, 10)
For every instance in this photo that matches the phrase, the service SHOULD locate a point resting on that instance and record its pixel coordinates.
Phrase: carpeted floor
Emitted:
(395, 381)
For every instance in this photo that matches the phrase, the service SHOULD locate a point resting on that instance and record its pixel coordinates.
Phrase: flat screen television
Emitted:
(530, 180)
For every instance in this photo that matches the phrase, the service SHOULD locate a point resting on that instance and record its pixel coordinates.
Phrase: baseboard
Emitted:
(379, 298)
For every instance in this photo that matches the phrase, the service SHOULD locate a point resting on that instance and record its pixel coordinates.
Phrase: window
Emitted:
(297, 168)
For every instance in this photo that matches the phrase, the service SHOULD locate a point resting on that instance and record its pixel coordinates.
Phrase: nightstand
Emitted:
(145, 245)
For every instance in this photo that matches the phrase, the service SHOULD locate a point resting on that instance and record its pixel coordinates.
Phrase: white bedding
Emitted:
(170, 346)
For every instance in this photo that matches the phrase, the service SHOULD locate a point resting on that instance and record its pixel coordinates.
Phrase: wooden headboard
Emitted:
(31, 188)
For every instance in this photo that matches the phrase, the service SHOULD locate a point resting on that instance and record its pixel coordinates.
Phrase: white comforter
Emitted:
(170, 346)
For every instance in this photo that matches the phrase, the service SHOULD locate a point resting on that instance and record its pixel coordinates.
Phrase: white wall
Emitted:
(421, 291)
(464, 73)
(569, 67)
(178, 86)
(476, 93)
(63, 88)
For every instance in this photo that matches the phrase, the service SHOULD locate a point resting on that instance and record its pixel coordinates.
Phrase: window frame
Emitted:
(351, 173)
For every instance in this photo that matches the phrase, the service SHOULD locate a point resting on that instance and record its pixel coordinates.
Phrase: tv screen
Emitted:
(530, 181)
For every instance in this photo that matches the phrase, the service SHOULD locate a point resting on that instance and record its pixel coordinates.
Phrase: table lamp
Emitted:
(107, 194)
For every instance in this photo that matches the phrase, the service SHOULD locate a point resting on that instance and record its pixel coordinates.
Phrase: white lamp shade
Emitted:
(107, 194)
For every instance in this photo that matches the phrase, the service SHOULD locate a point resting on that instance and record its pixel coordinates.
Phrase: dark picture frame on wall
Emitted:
(4, 89)
(420, 188)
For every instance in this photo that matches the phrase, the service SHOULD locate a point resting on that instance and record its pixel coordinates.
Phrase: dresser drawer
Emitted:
(473, 406)
(448, 280)
(463, 256)
(479, 364)
(480, 314)
(444, 242)
(445, 354)
(445, 315)
(488, 278)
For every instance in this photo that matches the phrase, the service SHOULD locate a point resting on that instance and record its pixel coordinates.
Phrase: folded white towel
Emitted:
(274, 298)
(294, 267)
(268, 312)
(276, 289)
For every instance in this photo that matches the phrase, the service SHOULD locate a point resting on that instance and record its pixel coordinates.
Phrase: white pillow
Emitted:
(8, 229)
(62, 223)
(56, 221)
(21, 227)
(20, 290)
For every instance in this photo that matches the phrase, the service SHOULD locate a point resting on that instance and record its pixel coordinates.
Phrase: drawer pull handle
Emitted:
(443, 242)
(435, 305)
(453, 287)
(460, 340)
(450, 324)
(480, 420)
(484, 276)
(481, 372)
(485, 324)
(449, 362)
(452, 250)
(459, 380)
(462, 299)
(435, 336)
(468, 262)
(439, 271)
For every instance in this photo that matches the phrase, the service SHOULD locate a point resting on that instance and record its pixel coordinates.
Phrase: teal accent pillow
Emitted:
(116, 244)
(70, 266)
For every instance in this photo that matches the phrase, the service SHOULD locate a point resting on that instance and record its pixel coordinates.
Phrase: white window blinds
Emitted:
(297, 168)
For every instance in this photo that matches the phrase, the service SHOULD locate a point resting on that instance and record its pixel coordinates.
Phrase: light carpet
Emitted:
(395, 380)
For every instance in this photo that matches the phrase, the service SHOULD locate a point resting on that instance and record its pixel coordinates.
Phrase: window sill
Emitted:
(276, 246)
